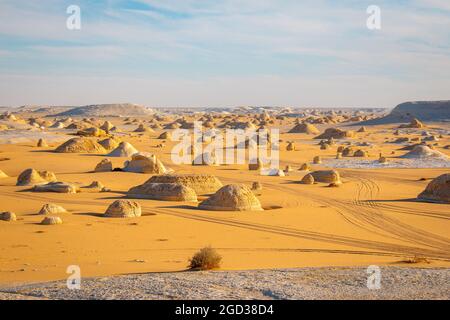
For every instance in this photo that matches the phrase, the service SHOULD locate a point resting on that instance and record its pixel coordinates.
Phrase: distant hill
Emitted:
(422, 110)
(107, 110)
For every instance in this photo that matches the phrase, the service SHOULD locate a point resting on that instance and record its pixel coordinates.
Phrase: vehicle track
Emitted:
(390, 249)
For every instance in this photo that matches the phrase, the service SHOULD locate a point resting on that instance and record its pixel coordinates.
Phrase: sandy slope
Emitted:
(369, 220)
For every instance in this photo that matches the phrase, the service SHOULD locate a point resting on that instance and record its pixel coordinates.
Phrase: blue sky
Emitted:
(224, 52)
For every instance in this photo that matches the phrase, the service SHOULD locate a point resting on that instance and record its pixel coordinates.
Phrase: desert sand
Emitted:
(370, 217)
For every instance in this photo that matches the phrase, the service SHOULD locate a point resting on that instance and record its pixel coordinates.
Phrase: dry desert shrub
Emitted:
(415, 260)
(205, 259)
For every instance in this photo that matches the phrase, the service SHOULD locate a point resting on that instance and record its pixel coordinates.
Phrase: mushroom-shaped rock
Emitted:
(233, 197)
(8, 216)
(51, 208)
(31, 177)
(104, 166)
(125, 149)
(437, 190)
(164, 192)
(123, 209)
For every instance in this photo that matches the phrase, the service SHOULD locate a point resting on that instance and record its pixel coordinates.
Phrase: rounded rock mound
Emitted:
(200, 183)
(104, 166)
(57, 187)
(31, 177)
(305, 128)
(165, 136)
(51, 221)
(109, 143)
(51, 208)
(437, 190)
(233, 197)
(308, 179)
(125, 149)
(336, 134)
(326, 176)
(8, 216)
(92, 132)
(80, 145)
(163, 192)
(145, 163)
(123, 209)
(424, 152)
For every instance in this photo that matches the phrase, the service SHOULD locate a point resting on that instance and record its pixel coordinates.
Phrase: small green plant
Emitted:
(205, 259)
